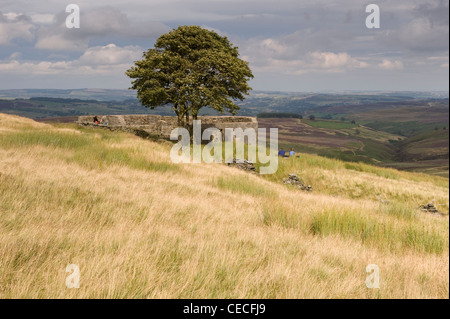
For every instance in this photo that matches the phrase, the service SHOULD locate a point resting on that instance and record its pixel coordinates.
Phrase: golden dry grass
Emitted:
(139, 226)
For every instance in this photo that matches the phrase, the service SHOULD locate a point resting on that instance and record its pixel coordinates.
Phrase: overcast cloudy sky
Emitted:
(292, 45)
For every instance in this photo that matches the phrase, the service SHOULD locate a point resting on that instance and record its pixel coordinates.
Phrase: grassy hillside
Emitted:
(335, 139)
(426, 146)
(140, 226)
(426, 150)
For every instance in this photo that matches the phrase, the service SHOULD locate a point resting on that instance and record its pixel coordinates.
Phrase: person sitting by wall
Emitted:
(104, 120)
(292, 153)
(95, 120)
(282, 153)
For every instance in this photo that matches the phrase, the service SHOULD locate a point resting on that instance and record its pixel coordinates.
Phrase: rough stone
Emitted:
(243, 164)
(429, 208)
(293, 179)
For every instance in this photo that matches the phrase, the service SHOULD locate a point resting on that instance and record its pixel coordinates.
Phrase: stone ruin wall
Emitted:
(161, 126)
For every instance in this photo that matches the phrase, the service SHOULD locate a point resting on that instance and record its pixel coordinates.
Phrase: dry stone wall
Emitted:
(161, 126)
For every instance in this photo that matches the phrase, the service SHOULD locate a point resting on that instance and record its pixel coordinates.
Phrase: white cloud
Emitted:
(110, 55)
(33, 68)
(100, 60)
(98, 22)
(60, 43)
(15, 26)
(434, 58)
(418, 35)
(14, 56)
(391, 65)
(289, 55)
(42, 18)
(335, 61)
(313, 62)
(273, 47)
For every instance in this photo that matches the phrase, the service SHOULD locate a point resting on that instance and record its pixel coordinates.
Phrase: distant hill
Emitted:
(36, 104)
(385, 128)
(86, 94)
(122, 95)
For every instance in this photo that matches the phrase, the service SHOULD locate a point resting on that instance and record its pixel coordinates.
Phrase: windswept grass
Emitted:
(240, 186)
(94, 151)
(384, 235)
(93, 157)
(44, 138)
(361, 167)
(362, 181)
(400, 210)
(367, 226)
(139, 226)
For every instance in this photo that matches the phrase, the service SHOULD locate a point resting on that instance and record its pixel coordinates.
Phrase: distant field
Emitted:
(341, 143)
(407, 129)
(432, 167)
(335, 125)
(353, 142)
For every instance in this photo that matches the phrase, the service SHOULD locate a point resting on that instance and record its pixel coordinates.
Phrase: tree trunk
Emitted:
(180, 118)
(187, 119)
(189, 127)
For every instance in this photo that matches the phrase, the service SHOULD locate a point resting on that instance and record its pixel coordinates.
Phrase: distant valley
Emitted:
(404, 130)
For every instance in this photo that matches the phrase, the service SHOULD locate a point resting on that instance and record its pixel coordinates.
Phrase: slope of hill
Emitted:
(334, 139)
(426, 152)
(426, 146)
(139, 226)
(414, 146)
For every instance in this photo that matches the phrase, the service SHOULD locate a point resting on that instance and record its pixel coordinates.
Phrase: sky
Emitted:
(291, 45)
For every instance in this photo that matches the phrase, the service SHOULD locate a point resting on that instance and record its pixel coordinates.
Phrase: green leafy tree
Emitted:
(190, 68)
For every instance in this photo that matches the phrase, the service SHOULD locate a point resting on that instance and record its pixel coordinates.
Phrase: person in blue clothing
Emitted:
(292, 153)
(282, 153)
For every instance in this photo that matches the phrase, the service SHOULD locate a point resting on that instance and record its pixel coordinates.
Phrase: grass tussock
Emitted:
(381, 234)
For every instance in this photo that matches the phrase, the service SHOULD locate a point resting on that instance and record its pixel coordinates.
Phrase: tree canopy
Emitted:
(190, 68)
